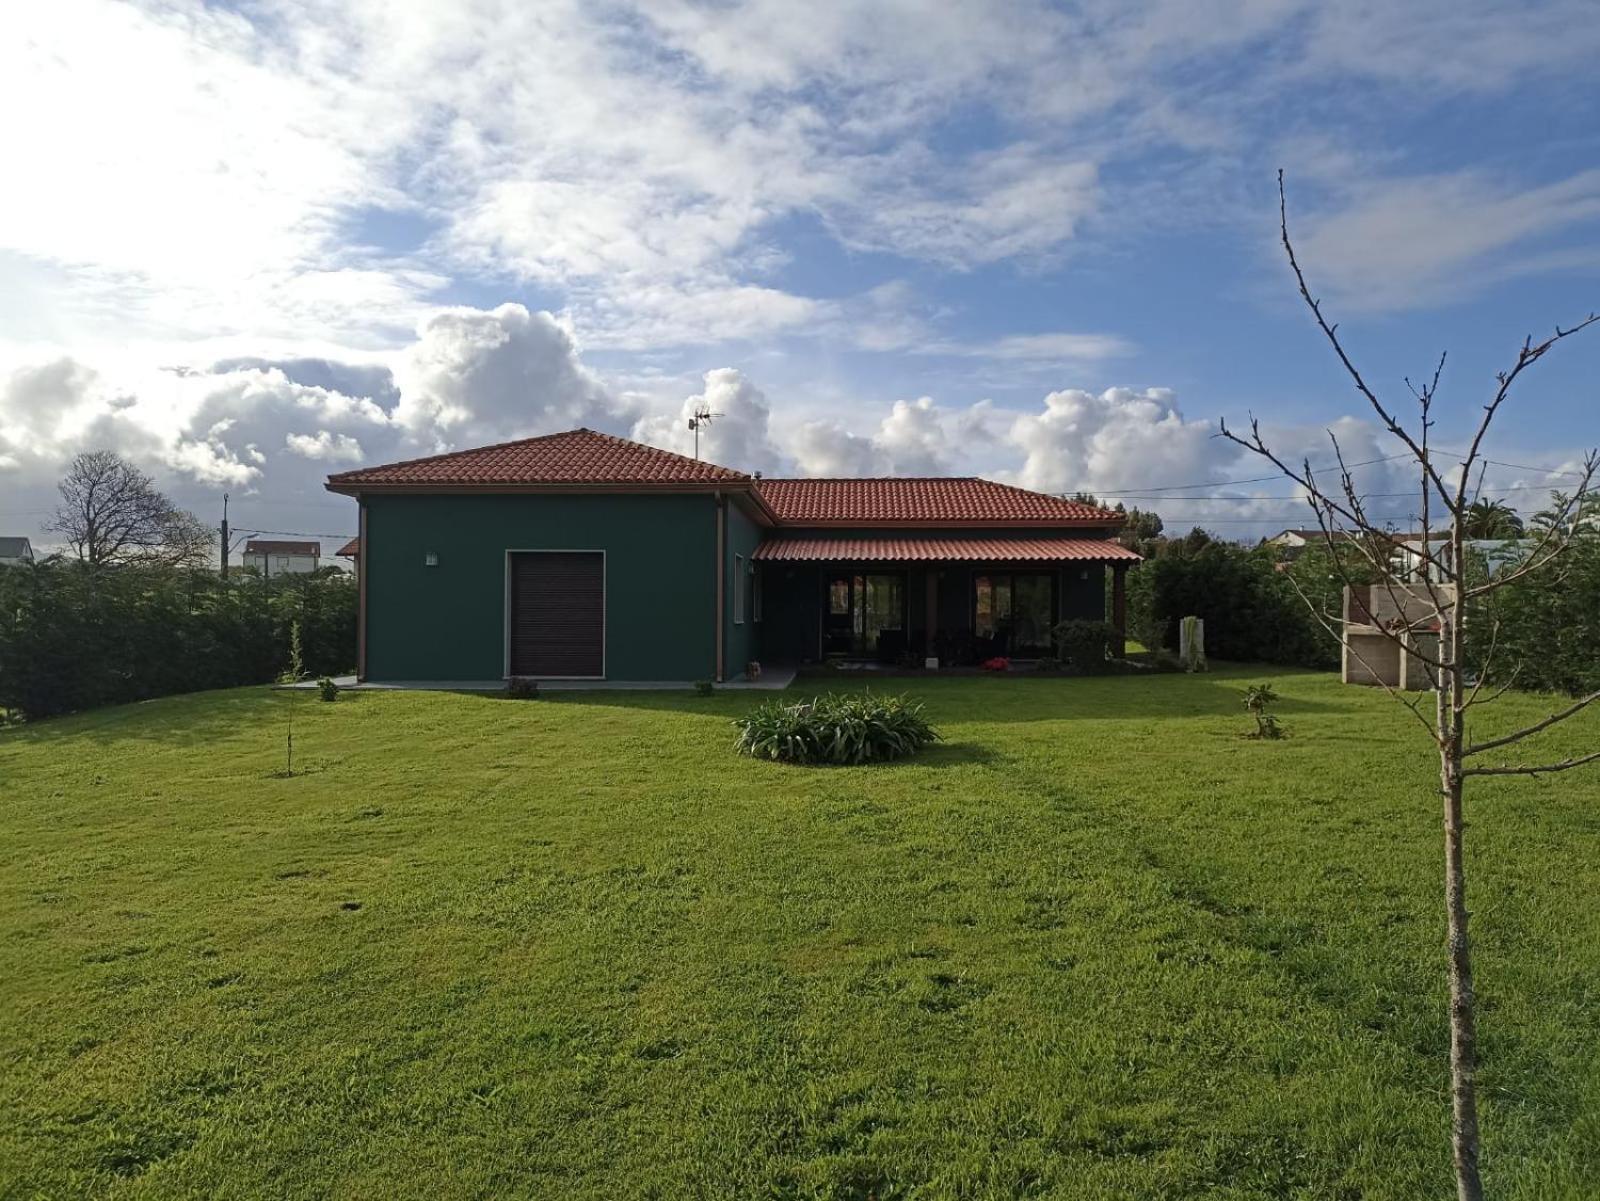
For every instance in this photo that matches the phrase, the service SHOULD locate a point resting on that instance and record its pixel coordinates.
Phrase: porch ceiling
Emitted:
(923, 550)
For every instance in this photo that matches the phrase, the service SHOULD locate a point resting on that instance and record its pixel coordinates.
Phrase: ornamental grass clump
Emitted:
(835, 728)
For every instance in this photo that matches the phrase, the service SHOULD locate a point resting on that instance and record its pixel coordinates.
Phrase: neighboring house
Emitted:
(350, 550)
(281, 558)
(581, 555)
(1292, 542)
(1407, 559)
(15, 551)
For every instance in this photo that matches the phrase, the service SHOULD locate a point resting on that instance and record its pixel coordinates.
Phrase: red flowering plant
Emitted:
(998, 663)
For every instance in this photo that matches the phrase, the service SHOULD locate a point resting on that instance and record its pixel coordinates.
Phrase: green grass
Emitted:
(1094, 945)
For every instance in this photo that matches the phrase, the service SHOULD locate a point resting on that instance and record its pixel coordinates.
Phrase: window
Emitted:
(1014, 611)
(738, 590)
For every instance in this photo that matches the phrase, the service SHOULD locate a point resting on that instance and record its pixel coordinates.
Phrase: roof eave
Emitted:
(346, 487)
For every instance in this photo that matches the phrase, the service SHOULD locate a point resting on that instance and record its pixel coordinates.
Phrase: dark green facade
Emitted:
(448, 622)
(448, 619)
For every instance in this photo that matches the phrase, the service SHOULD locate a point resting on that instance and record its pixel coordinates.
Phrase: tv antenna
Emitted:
(703, 416)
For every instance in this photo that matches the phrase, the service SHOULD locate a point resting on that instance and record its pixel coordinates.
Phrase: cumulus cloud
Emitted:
(487, 376)
(1087, 440)
(332, 448)
(738, 435)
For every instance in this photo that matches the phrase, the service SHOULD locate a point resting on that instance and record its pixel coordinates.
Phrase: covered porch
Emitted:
(903, 600)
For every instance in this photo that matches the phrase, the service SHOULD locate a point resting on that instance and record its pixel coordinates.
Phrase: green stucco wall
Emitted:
(743, 636)
(448, 622)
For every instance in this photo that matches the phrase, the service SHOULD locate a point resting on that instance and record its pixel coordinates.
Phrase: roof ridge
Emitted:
(615, 439)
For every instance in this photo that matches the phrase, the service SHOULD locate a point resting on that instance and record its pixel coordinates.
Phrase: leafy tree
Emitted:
(1492, 519)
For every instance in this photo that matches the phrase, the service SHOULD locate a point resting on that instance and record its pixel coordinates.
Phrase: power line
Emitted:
(292, 533)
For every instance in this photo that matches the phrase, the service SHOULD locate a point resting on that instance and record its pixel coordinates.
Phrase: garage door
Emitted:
(558, 613)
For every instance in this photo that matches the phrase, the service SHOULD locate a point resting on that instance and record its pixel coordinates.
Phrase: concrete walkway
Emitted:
(772, 680)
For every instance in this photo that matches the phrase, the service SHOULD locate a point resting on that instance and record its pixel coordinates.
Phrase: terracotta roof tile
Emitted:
(350, 550)
(932, 501)
(579, 456)
(913, 550)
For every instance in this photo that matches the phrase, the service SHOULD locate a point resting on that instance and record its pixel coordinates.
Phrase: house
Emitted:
(281, 558)
(1410, 554)
(1291, 542)
(350, 550)
(15, 551)
(584, 556)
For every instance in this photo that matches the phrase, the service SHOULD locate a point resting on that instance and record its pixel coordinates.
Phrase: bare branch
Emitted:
(1577, 706)
(1344, 642)
(1332, 334)
(1532, 769)
(1526, 357)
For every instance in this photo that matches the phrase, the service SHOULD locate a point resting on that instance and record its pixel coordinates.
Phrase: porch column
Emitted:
(1119, 609)
(931, 617)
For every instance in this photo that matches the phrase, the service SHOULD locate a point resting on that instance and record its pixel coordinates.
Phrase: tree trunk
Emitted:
(1463, 1003)
(1463, 1023)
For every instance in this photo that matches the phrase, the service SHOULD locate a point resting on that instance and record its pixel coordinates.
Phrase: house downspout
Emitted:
(361, 588)
(722, 542)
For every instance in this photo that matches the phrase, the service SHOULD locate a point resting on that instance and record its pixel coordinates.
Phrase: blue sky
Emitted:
(260, 242)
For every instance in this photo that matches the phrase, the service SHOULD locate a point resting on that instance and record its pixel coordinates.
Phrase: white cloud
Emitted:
(332, 448)
(1405, 241)
(1112, 440)
(912, 438)
(738, 434)
(474, 377)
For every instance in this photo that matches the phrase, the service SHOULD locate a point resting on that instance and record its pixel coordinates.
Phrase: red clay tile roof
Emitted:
(350, 550)
(578, 456)
(265, 546)
(928, 501)
(970, 550)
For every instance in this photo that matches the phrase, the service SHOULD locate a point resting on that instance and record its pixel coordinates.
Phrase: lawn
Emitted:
(1094, 945)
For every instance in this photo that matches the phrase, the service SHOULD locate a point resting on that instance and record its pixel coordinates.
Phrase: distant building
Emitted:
(281, 558)
(1291, 542)
(15, 551)
(350, 550)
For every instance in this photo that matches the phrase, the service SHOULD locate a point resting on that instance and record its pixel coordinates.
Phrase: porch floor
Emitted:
(773, 679)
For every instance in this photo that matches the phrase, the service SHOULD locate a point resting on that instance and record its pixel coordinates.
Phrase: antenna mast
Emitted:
(703, 416)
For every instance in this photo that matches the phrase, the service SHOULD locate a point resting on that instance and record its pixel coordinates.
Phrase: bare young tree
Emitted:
(111, 513)
(1447, 503)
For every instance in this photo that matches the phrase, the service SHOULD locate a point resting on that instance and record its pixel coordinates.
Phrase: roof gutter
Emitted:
(722, 542)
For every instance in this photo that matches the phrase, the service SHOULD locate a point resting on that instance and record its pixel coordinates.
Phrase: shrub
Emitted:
(835, 728)
(704, 687)
(1256, 699)
(1086, 645)
(327, 689)
(295, 671)
(523, 688)
(72, 638)
(998, 663)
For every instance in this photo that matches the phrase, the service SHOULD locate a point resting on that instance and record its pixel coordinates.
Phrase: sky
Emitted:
(246, 245)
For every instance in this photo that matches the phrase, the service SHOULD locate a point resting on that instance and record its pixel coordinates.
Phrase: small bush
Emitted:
(998, 663)
(835, 728)
(1256, 699)
(1086, 645)
(295, 671)
(704, 687)
(523, 688)
(327, 689)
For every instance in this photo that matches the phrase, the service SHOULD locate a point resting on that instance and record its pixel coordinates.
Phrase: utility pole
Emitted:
(224, 535)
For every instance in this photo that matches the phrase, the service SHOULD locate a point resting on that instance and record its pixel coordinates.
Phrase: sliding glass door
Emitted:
(865, 615)
(1013, 611)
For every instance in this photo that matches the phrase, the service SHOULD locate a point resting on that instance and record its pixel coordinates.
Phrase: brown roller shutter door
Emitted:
(558, 613)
